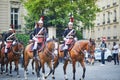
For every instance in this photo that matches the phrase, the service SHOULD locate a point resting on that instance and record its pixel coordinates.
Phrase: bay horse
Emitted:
(46, 56)
(28, 54)
(14, 54)
(76, 54)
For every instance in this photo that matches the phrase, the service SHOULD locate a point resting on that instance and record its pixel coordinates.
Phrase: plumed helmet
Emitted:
(10, 29)
(70, 23)
(40, 21)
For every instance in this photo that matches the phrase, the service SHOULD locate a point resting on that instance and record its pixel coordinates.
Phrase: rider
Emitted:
(10, 36)
(39, 31)
(68, 33)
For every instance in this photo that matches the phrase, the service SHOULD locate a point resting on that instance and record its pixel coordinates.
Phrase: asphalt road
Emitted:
(93, 72)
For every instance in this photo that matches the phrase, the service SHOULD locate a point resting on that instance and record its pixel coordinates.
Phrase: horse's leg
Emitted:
(17, 68)
(84, 69)
(43, 69)
(2, 65)
(37, 68)
(11, 68)
(74, 69)
(26, 61)
(33, 66)
(55, 64)
(92, 61)
(7, 68)
(64, 69)
(50, 66)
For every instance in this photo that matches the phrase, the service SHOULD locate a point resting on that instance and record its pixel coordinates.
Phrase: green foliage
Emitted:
(23, 38)
(79, 34)
(57, 12)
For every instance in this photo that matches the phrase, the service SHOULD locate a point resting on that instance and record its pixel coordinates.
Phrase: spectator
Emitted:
(102, 47)
(115, 52)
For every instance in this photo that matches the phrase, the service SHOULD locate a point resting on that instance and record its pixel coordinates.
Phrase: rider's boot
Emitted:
(65, 54)
(35, 54)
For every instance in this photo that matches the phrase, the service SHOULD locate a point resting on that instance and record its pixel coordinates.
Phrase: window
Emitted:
(98, 38)
(14, 17)
(115, 14)
(108, 17)
(114, 2)
(103, 18)
(114, 37)
(108, 37)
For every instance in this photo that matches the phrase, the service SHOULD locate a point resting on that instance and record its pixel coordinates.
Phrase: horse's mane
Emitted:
(83, 41)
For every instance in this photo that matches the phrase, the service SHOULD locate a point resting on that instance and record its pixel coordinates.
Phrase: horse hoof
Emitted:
(7, 74)
(81, 79)
(27, 73)
(53, 77)
(26, 78)
(33, 73)
(39, 79)
(45, 77)
(18, 76)
(10, 75)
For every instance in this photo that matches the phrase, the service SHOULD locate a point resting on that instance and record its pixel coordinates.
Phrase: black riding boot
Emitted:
(34, 54)
(65, 54)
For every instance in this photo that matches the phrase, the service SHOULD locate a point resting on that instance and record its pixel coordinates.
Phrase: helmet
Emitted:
(40, 21)
(70, 23)
(10, 29)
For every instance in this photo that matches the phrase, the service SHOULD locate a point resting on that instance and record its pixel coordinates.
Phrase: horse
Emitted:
(76, 54)
(28, 54)
(13, 56)
(46, 56)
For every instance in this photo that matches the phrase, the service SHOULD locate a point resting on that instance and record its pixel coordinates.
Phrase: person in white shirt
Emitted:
(115, 52)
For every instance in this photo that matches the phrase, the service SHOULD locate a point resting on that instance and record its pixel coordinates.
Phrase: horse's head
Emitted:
(50, 44)
(89, 46)
(18, 47)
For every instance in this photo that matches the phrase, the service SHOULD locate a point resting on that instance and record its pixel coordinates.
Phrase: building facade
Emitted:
(107, 23)
(11, 14)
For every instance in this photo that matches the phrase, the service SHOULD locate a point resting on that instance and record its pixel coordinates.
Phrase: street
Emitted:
(93, 72)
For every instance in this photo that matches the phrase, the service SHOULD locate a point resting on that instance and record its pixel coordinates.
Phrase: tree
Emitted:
(58, 12)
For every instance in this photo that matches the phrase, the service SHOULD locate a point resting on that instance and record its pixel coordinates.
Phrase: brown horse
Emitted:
(76, 54)
(46, 56)
(13, 55)
(28, 54)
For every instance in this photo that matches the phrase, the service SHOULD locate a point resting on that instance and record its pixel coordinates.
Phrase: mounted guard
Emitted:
(69, 37)
(39, 38)
(10, 39)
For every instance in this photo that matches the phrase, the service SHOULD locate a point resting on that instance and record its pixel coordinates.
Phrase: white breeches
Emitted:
(35, 45)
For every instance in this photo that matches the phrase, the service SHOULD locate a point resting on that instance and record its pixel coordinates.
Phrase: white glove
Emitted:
(64, 39)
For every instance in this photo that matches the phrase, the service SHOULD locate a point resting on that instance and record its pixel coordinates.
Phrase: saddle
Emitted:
(9, 43)
(39, 47)
(70, 42)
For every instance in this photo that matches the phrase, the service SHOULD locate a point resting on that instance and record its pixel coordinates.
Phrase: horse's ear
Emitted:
(53, 38)
(90, 39)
